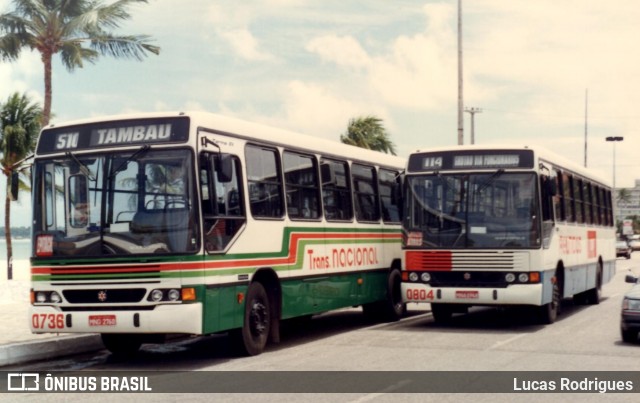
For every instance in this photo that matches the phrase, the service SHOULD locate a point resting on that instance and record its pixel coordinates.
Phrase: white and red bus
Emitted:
(504, 226)
(193, 223)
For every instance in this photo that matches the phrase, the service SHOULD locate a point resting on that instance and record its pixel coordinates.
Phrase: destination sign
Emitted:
(470, 159)
(114, 133)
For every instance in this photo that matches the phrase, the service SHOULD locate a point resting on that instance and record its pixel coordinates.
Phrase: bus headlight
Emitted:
(426, 277)
(164, 294)
(510, 277)
(156, 295)
(413, 276)
(44, 297)
(173, 295)
(523, 277)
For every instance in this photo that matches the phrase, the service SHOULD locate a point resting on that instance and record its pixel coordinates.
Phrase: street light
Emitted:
(614, 139)
(472, 112)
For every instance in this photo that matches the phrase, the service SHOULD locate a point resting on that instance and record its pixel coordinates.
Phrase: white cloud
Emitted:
(311, 108)
(245, 45)
(343, 51)
(416, 72)
(20, 75)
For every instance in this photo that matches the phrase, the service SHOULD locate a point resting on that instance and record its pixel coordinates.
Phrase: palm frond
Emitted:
(128, 46)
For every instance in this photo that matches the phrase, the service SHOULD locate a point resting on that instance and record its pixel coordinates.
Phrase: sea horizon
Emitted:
(20, 262)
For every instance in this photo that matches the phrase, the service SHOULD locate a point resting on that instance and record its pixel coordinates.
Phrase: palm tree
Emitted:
(68, 27)
(19, 127)
(368, 132)
(623, 196)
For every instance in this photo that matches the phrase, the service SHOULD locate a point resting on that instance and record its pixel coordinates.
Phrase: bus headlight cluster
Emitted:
(522, 278)
(159, 295)
(415, 277)
(43, 297)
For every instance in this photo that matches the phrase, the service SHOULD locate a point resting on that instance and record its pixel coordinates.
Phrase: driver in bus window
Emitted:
(80, 215)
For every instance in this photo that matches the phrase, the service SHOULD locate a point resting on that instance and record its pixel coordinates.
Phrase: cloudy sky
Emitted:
(311, 65)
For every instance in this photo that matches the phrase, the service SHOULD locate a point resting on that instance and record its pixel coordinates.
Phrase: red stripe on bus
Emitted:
(429, 260)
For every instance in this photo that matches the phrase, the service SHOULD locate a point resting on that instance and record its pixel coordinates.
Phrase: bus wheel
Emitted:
(391, 308)
(593, 295)
(442, 313)
(122, 345)
(253, 336)
(394, 307)
(548, 313)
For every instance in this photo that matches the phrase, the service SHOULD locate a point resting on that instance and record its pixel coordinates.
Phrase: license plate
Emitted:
(467, 295)
(102, 320)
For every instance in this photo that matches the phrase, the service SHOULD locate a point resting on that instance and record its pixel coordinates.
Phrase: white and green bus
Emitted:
(191, 223)
(504, 226)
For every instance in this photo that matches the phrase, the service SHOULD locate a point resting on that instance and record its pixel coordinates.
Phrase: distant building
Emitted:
(631, 207)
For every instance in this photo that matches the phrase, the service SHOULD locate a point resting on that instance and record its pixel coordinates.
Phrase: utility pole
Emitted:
(586, 101)
(472, 112)
(460, 102)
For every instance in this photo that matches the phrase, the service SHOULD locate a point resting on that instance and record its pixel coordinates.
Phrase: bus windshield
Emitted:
(134, 202)
(472, 210)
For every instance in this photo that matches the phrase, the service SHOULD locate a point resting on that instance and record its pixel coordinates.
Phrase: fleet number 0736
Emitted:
(47, 321)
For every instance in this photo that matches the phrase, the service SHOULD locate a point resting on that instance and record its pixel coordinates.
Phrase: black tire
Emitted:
(252, 338)
(442, 313)
(391, 308)
(629, 335)
(548, 313)
(122, 344)
(394, 307)
(594, 295)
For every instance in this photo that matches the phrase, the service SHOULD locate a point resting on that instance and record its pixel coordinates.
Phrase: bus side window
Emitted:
(365, 192)
(336, 190)
(302, 186)
(389, 185)
(265, 183)
(547, 193)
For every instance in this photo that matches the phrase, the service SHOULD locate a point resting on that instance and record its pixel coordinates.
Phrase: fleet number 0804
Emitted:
(419, 295)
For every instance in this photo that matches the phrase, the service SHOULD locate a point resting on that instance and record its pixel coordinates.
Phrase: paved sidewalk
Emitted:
(18, 345)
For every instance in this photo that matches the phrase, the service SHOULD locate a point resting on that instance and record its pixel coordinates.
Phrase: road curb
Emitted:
(20, 353)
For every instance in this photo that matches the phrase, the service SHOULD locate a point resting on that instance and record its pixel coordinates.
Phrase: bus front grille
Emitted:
(435, 260)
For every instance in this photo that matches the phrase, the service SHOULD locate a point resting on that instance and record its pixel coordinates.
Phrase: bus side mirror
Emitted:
(15, 186)
(224, 168)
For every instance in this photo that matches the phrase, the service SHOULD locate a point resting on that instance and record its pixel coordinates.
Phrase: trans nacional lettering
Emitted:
(133, 134)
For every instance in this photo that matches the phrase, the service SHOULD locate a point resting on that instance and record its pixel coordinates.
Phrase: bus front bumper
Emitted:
(517, 294)
(163, 319)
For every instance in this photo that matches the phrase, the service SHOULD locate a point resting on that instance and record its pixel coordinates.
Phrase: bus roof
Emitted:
(259, 132)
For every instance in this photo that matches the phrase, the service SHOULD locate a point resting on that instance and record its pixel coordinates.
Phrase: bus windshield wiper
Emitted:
(143, 150)
(83, 168)
(489, 180)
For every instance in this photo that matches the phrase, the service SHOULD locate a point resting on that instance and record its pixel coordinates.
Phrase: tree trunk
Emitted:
(7, 233)
(46, 111)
